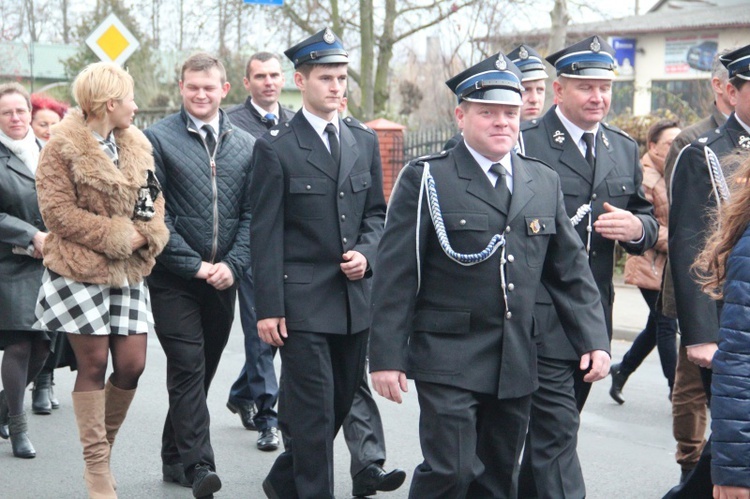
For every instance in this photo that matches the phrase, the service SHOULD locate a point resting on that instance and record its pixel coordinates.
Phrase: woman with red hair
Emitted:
(45, 112)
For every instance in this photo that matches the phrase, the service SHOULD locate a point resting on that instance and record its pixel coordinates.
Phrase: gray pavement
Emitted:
(626, 451)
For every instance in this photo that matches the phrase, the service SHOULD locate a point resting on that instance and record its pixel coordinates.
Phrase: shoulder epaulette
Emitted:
(709, 137)
(356, 124)
(535, 160)
(617, 130)
(429, 157)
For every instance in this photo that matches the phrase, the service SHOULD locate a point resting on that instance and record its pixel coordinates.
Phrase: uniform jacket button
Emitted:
(511, 258)
(344, 240)
(511, 286)
(507, 229)
(286, 277)
(308, 187)
(593, 197)
(341, 194)
(343, 217)
(462, 222)
(508, 315)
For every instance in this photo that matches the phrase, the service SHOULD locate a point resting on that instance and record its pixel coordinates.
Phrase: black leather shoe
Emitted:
(174, 473)
(205, 481)
(246, 412)
(373, 478)
(618, 382)
(269, 439)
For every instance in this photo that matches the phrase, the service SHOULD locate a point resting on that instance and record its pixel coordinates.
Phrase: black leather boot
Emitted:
(19, 437)
(40, 394)
(618, 382)
(3, 416)
(52, 398)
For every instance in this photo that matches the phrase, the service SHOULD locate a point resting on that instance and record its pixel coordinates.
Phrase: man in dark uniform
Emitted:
(455, 314)
(534, 81)
(601, 177)
(318, 213)
(255, 392)
(696, 191)
(688, 395)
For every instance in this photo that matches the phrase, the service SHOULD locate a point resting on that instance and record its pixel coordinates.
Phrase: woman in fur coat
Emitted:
(100, 201)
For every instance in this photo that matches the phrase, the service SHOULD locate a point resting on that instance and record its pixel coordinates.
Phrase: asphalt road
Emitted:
(626, 451)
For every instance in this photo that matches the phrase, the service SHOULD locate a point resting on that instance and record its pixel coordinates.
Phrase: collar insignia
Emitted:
(595, 45)
(703, 140)
(501, 64)
(274, 133)
(535, 226)
(329, 37)
(523, 53)
(605, 140)
(745, 141)
(558, 137)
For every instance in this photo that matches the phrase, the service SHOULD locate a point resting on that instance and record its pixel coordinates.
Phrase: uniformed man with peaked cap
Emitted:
(472, 234)
(601, 178)
(696, 191)
(318, 213)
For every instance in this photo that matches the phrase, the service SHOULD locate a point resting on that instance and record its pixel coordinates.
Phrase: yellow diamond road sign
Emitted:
(111, 41)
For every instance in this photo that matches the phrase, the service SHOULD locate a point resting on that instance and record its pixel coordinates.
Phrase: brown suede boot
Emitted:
(89, 411)
(116, 404)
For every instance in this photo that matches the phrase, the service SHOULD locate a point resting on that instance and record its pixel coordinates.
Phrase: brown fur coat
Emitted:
(87, 204)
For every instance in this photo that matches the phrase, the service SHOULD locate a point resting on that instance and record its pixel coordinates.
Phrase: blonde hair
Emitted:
(98, 83)
(729, 221)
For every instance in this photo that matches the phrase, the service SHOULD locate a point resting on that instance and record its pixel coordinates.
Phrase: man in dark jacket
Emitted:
(600, 175)
(254, 394)
(318, 212)
(455, 313)
(688, 395)
(696, 191)
(203, 165)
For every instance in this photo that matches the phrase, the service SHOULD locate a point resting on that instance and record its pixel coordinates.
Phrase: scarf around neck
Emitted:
(26, 149)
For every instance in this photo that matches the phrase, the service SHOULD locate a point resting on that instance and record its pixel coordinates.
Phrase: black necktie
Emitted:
(210, 139)
(588, 138)
(333, 141)
(501, 186)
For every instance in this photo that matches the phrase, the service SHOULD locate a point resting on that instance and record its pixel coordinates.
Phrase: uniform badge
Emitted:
(535, 226)
(274, 133)
(745, 141)
(595, 45)
(605, 140)
(329, 37)
(523, 53)
(501, 64)
(703, 140)
(558, 137)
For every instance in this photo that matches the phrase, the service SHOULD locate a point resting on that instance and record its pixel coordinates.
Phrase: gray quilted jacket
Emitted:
(207, 201)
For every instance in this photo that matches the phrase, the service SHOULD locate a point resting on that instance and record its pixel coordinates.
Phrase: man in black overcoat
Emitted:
(601, 183)
(472, 234)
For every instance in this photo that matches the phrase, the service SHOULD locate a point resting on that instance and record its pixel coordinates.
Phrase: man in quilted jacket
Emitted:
(203, 165)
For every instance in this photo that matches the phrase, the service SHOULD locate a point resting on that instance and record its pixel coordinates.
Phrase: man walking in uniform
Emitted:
(254, 394)
(454, 313)
(318, 213)
(600, 175)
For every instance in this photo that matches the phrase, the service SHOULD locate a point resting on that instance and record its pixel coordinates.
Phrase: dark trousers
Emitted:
(660, 332)
(551, 468)
(363, 430)
(319, 375)
(698, 484)
(256, 383)
(193, 321)
(471, 443)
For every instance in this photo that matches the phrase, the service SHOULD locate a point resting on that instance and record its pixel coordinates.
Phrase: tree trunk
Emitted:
(367, 37)
(65, 26)
(380, 90)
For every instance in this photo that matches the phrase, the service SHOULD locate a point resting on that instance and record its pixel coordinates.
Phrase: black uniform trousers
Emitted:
(363, 430)
(319, 375)
(471, 435)
(193, 321)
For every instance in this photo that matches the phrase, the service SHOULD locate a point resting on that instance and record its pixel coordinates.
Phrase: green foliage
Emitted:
(140, 65)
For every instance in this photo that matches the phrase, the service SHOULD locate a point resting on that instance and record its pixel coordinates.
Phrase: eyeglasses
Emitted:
(10, 112)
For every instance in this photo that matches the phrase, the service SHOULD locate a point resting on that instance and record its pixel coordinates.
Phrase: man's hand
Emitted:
(203, 271)
(598, 360)
(272, 330)
(729, 492)
(38, 242)
(388, 384)
(220, 276)
(618, 225)
(354, 266)
(702, 355)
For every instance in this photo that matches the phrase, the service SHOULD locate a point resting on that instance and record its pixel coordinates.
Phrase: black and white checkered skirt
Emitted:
(72, 307)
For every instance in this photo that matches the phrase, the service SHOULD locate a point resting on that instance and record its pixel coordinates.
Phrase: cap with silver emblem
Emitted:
(737, 62)
(529, 62)
(324, 47)
(495, 80)
(592, 58)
